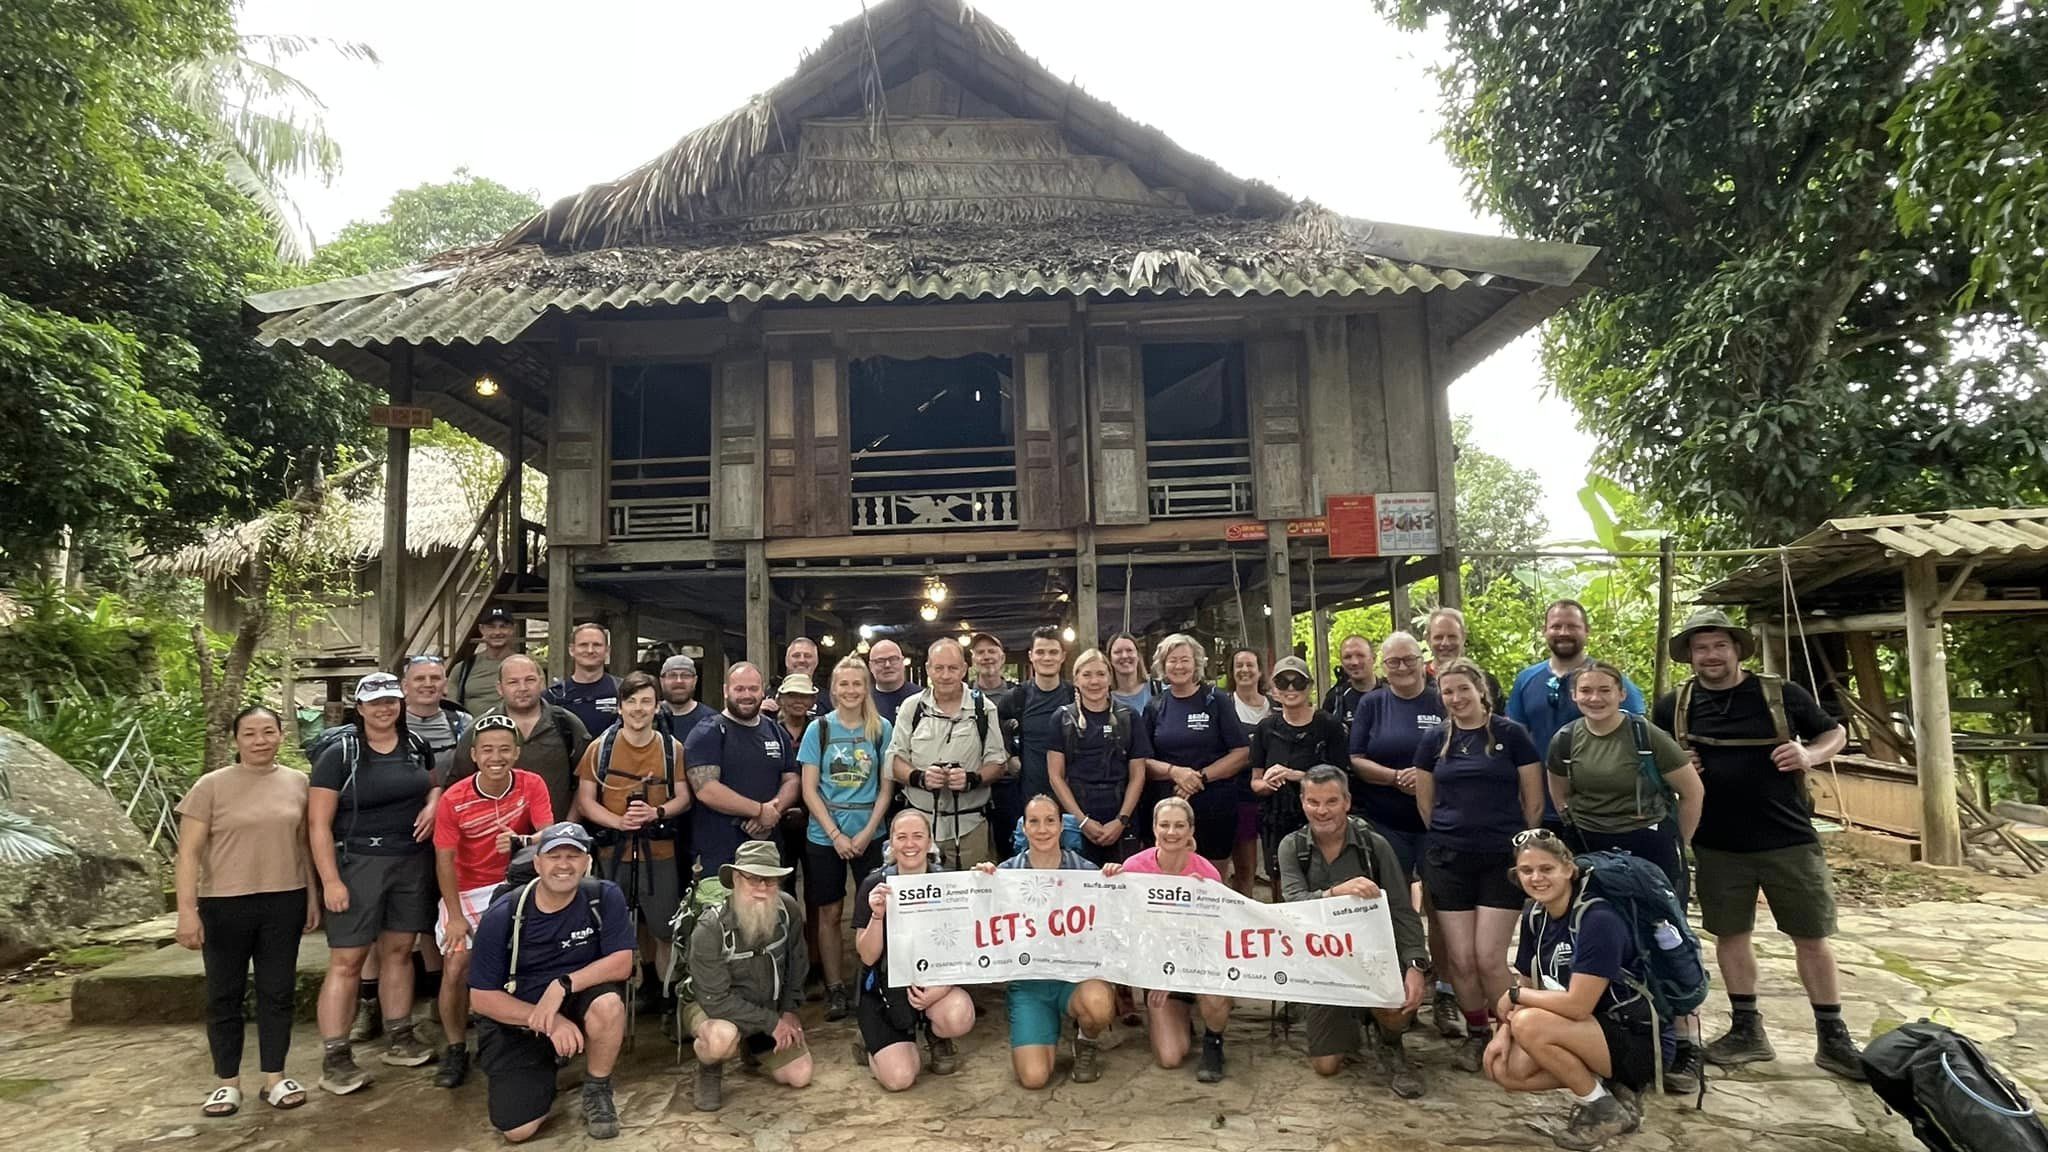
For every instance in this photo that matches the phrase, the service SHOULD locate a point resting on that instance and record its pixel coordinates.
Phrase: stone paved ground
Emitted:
(1984, 963)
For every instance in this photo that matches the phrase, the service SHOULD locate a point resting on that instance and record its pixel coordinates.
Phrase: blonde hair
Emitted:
(1092, 656)
(870, 717)
(1471, 672)
(1179, 640)
(1186, 809)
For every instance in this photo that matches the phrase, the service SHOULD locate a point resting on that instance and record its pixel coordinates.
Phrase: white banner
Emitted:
(1164, 932)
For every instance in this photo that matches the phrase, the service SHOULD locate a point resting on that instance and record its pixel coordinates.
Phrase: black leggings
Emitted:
(1658, 845)
(263, 927)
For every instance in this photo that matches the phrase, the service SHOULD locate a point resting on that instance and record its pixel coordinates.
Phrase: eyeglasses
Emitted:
(1401, 661)
(1524, 839)
(1290, 683)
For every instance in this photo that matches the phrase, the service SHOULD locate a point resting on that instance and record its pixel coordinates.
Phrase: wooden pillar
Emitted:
(514, 556)
(759, 600)
(1279, 593)
(1666, 560)
(1941, 834)
(561, 606)
(624, 627)
(1869, 680)
(1399, 610)
(391, 613)
(1319, 623)
(1087, 592)
(1768, 646)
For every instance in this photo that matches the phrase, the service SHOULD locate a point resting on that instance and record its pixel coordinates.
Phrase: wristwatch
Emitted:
(1125, 817)
(1417, 966)
(568, 987)
(1515, 995)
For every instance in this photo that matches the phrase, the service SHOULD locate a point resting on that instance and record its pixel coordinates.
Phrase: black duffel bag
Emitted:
(1946, 1087)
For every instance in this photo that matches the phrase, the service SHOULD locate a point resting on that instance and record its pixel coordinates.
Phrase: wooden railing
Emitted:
(1198, 478)
(468, 579)
(660, 498)
(980, 492)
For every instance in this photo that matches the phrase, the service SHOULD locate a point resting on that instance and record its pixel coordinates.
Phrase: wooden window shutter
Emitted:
(1119, 434)
(1038, 480)
(577, 454)
(1279, 464)
(829, 506)
(785, 483)
(736, 505)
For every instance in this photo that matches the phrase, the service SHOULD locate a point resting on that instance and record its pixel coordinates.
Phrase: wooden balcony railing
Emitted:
(660, 498)
(980, 491)
(1198, 478)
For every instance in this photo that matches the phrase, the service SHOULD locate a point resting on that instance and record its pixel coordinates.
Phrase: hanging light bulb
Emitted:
(929, 611)
(486, 387)
(829, 640)
(935, 590)
(867, 632)
(1269, 609)
(1067, 634)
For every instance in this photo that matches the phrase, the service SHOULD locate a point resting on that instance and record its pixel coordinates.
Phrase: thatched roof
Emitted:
(446, 491)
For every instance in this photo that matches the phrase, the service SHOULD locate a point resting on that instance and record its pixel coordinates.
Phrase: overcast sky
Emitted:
(1322, 100)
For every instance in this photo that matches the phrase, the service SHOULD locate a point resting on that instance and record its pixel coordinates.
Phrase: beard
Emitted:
(1565, 647)
(754, 921)
(743, 710)
(681, 699)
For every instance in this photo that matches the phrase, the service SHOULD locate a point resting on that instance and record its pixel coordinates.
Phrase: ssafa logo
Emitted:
(771, 747)
(919, 896)
(1198, 721)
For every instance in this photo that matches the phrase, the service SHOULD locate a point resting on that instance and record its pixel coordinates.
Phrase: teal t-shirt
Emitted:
(849, 773)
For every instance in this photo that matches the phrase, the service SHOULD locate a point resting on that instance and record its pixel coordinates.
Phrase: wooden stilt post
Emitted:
(759, 601)
(561, 607)
(514, 554)
(1941, 830)
(1869, 680)
(1399, 610)
(625, 637)
(1279, 594)
(1087, 590)
(1665, 561)
(391, 610)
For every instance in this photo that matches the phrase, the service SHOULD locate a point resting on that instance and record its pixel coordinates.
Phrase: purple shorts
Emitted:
(1247, 823)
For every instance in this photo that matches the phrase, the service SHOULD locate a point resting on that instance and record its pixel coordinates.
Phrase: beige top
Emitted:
(255, 830)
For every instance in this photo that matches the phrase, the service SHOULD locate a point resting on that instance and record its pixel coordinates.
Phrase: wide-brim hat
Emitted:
(1710, 620)
(757, 858)
(797, 683)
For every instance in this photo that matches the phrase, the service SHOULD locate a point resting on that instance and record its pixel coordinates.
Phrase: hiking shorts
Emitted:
(1408, 848)
(760, 1044)
(385, 894)
(1334, 1029)
(1631, 1049)
(1795, 880)
(1038, 1010)
(825, 872)
(885, 1017)
(474, 901)
(1461, 881)
(519, 1065)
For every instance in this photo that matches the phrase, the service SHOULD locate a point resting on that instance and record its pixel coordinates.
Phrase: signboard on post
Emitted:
(1248, 530)
(1407, 524)
(400, 416)
(1354, 525)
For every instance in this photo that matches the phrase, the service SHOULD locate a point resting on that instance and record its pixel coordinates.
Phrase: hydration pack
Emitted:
(1950, 1092)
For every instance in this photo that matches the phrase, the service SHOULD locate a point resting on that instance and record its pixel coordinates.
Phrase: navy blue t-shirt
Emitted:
(1038, 731)
(1550, 954)
(752, 760)
(551, 944)
(888, 700)
(1196, 732)
(595, 703)
(1478, 785)
(1387, 730)
(1098, 773)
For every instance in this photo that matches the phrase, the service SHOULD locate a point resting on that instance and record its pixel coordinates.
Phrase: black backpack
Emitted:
(1071, 722)
(1948, 1090)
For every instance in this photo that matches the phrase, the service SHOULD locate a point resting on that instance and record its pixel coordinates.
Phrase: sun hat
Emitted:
(757, 858)
(1710, 620)
(379, 686)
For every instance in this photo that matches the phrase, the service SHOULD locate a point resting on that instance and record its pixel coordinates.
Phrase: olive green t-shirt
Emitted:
(1609, 792)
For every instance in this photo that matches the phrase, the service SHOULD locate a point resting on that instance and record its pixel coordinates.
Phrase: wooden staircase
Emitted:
(499, 563)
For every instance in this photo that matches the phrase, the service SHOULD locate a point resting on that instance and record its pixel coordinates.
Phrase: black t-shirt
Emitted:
(1341, 699)
(1098, 772)
(752, 759)
(595, 703)
(376, 810)
(1037, 731)
(679, 725)
(1750, 805)
(888, 700)
(1298, 747)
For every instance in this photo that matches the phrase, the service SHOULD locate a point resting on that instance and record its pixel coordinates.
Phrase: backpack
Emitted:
(1071, 839)
(1674, 980)
(604, 757)
(1357, 838)
(705, 897)
(349, 738)
(522, 874)
(1072, 726)
(1950, 1093)
(1774, 696)
(1646, 760)
(981, 711)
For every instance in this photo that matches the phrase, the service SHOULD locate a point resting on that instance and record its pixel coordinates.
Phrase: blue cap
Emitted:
(564, 832)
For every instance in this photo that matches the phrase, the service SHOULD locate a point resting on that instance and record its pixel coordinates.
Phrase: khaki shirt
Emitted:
(938, 738)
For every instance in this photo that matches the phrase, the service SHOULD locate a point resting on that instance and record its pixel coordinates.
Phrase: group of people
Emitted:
(465, 826)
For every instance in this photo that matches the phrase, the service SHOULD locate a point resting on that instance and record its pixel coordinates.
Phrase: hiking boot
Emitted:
(404, 1050)
(339, 1073)
(1444, 1013)
(837, 1003)
(1471, 1055)
(942, 1058)
(1682, 1075)
(1743, 1043)
(1402, 1074)
(454, 1067)
(1594, 1124)
(600, 1115)
(1210, 1070)
(1087, 1060)
(369, 1023)
(710, 1087)
(1837, 1051)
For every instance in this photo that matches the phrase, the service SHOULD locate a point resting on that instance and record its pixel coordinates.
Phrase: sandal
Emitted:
(225, 1100)
(285, 1095)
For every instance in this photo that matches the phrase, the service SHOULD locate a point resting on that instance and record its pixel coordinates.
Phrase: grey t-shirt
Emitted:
(438, 731)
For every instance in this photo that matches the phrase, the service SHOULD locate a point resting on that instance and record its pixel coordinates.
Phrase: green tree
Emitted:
(1500, 506)
(422, 222)
(1806, 310)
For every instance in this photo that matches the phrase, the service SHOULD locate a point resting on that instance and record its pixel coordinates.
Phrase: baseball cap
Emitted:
(979, 637)
(798, 683)
(496, 614)
(679, 663)
(1294, 664)
(379, 686)
(564, 832)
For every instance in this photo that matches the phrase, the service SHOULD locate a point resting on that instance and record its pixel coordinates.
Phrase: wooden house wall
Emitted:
(351, 617)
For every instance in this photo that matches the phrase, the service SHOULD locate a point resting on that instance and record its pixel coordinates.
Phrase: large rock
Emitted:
(110, 878)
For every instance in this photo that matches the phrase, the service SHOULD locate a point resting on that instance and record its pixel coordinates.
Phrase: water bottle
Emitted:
(1667, 936)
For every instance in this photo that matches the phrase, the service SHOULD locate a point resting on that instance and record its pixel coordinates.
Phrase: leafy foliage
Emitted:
(421, 222)
(1806, 312)
(1500, 506)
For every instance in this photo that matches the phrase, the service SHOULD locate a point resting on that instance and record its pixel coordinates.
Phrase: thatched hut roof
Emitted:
(446, 491)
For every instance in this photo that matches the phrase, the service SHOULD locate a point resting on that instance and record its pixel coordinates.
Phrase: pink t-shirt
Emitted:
(1148, 862)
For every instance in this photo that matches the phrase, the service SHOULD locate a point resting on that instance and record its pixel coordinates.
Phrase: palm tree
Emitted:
(265, 126)
(22, 840)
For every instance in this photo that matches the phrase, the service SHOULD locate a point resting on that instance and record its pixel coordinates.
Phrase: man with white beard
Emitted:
(747, 965)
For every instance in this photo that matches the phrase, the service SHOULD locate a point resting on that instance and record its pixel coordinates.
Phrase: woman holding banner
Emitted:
(1038, 1008)
(1173, 826)
(1097, 762)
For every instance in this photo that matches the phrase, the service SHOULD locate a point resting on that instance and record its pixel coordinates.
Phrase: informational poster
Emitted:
(1162, 932)
(1407, 524)
(1354, 524)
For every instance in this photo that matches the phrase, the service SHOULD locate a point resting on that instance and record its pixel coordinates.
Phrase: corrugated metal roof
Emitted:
(1859, 545)
(451, 312)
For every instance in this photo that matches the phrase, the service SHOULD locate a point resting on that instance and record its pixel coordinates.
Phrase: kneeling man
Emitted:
(747, 966)
(547, 972)
(891, 1018)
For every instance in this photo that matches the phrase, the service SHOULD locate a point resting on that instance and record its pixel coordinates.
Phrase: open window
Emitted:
(933, 442)
(1197, 430)
(660, 480)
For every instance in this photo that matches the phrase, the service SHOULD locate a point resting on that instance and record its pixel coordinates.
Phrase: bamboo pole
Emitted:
(1087, 594)
(1933, 745)
(1665, 558)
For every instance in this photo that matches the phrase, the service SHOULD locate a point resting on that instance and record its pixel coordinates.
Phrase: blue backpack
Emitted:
(1070, 835)
(1674, 978)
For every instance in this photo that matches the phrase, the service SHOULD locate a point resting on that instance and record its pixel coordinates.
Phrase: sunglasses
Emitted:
(424, 658)
(490, 723)
(1290, 683)
(1524, 839)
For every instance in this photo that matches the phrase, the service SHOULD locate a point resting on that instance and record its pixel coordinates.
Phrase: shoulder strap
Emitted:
(1774, 696)
(593, 896)
(512, 948)
(604, 753)
(1070, 731)
(1357, 836)
(981, 718)
(558, 714)
(917, 712)
(1120, 726)
(1681, 711)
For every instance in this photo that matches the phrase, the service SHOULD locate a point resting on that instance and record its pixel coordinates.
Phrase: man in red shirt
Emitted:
(481, 821)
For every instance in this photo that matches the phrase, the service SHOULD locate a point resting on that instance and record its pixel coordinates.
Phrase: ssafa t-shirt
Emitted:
(889, 700)
(255, 830)
(1750, 805)
(374, 812)
(1147, 863)
(633, 772)
(1387, 729)
(752, 759)
(1550, 953)
(551, 944)
(595, 703)
(468, 821)
(849, 773)
(1195, 732)
(1478, 785)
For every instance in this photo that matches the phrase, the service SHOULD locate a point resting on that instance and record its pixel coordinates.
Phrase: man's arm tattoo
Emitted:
(701, 774)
